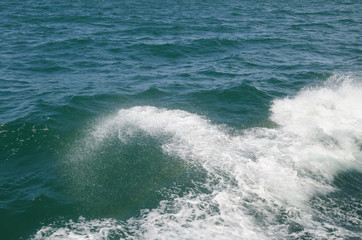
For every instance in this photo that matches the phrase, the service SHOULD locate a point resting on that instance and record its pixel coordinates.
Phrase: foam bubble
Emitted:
(259, 182)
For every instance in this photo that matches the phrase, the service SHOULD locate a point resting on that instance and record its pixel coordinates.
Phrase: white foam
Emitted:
(82, 229)
(327, 121)
(254, 178)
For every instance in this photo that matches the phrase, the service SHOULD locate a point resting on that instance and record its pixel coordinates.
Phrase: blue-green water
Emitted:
(180, 119)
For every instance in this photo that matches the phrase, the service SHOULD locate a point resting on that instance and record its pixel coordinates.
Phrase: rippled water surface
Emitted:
(180, 119)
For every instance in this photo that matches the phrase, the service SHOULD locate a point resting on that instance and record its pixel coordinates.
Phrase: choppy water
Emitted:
(180, 119)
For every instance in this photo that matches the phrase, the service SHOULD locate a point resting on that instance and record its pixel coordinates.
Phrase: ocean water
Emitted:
(189, 119)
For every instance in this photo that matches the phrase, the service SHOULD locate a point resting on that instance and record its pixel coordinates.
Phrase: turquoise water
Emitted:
(180, 119)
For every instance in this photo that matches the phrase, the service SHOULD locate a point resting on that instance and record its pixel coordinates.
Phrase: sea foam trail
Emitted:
(259, 182)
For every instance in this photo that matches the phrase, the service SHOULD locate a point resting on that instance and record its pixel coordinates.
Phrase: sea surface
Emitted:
(233, 119)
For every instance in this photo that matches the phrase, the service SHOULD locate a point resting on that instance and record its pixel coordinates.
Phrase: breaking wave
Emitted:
(261, 183)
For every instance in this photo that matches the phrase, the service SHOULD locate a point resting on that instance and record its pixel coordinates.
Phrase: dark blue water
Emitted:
(180, 119)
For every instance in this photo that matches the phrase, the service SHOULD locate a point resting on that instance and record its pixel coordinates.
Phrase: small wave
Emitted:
(151, 92)
(175, 48)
